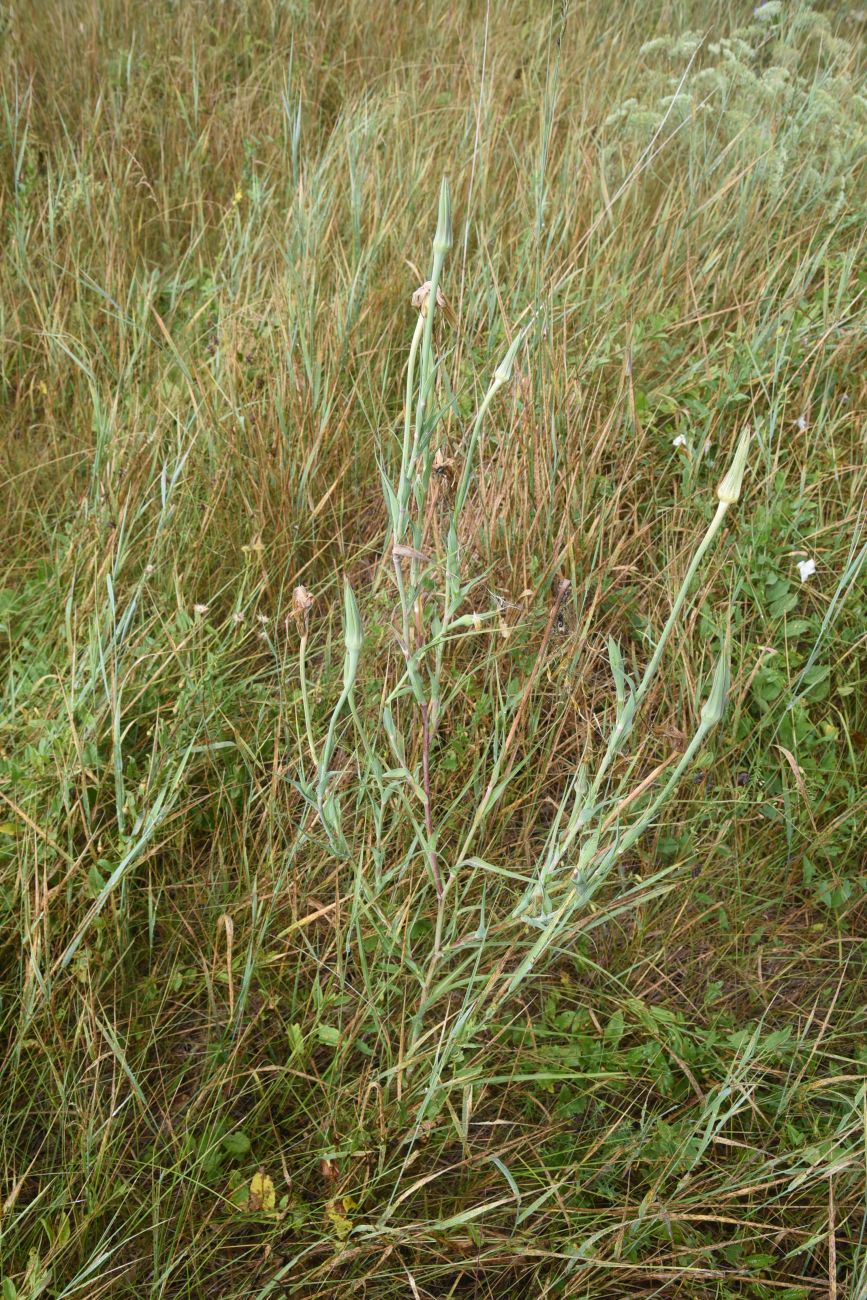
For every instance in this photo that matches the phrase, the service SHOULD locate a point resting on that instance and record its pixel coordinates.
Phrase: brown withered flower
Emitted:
(302, 602)
(444, 468)
(421, 297)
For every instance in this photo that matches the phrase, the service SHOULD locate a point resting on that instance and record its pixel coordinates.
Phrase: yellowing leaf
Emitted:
(8, 828)
(341, 1226)
(262, 1193)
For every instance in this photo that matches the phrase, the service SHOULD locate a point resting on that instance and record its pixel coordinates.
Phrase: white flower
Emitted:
(679, 441)
(801, 422)
(806, 568)
(200, 609)
(263, 619)
(237, 617)
(150, 570)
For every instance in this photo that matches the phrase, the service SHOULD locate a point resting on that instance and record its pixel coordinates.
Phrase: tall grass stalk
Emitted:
(431, 814)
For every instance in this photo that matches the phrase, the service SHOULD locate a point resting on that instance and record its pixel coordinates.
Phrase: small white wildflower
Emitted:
(708, 443)
(806, 568)
(801, 422)
(263, 619)
(237, 618)
(201, 610)
(150, 570)
(679, 441)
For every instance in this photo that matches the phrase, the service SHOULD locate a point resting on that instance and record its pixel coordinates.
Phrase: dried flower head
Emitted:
(302, 603)
(443, 467)
(201, 610)
(421, 296)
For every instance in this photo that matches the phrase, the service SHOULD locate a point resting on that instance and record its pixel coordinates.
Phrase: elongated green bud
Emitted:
(353, 632)
(615, 658)
(715, 705)
(443, 237)
(730, 488)
(503, 372)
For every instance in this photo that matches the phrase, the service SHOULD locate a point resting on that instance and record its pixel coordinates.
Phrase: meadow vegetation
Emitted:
(433, 608)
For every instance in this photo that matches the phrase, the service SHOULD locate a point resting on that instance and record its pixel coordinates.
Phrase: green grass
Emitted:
(493, 925)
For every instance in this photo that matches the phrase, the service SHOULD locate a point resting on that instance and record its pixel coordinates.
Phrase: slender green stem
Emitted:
(426, 378)
(466, 473)
(305, 699)
(635, 831)
(650, 671)
(407, 458)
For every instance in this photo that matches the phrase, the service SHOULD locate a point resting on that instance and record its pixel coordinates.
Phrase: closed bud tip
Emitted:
(443, 236)
(729, 489)
(715, 705)
(353, 631)
(503, 372)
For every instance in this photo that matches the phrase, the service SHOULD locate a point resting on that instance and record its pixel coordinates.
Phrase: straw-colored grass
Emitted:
(432, 844)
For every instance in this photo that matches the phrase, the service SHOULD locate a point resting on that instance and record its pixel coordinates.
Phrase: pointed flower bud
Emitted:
(503, 372)
(353, 634)
(730, 488)
(443, 237)
(715, 704)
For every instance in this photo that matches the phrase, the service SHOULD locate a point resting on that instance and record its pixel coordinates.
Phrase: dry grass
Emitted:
(235, 947)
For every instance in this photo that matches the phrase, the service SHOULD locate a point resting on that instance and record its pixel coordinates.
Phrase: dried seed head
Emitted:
(443, 466)
(409, 553)
(421, 296)
(302, 602)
